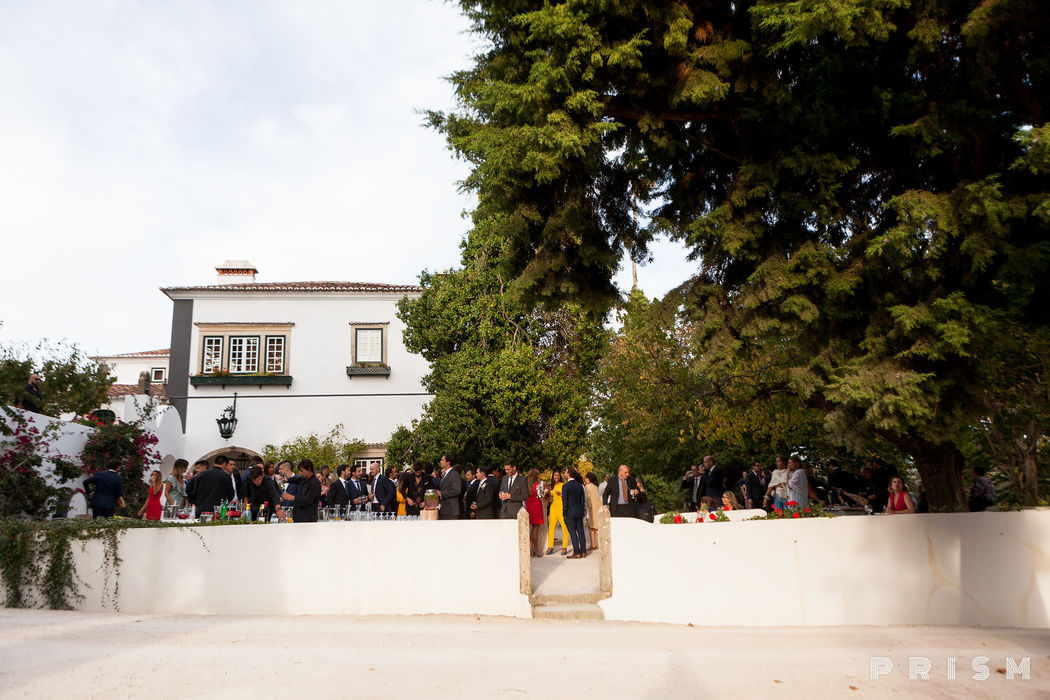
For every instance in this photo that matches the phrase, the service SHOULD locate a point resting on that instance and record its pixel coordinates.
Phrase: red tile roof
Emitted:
(157, 391)
(299, 287)
(144, 353)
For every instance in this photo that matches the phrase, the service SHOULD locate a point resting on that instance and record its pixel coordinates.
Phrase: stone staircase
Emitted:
(566, 589)
(566, 606)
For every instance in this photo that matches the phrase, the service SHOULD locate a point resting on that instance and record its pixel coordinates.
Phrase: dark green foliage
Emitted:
(72, 383)
(128, 445)
(863, 183)
(331, 449)
(507, 381)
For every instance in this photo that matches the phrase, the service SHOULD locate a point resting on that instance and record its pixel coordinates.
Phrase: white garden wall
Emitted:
(331, 568)
(67, 440)
(982, 569)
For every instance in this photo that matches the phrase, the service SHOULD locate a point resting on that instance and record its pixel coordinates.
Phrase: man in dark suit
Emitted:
(109, 491)
(358, 489)
(385, 492)
(513, 491)
(230, 468)
(307, 496)
(211, 487)
(244, 487)
(754, 487)
(486, 505)
(573, 508)
(470, 493)
(714, 486)
(262, 490)
(621, 493)
(451, 489)
(339, 492)
(694, 487)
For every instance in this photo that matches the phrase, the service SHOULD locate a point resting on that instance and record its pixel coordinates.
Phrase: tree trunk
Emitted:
(1028, 494)
(941, 467)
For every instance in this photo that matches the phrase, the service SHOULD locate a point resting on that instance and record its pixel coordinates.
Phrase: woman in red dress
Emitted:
(900, 502)
(156, 490)
(534, 507)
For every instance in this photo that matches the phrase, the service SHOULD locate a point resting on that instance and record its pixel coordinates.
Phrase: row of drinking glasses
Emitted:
(338, 513)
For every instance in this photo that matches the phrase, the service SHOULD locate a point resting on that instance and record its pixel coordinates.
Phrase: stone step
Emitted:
(566, 598)
(583, 611)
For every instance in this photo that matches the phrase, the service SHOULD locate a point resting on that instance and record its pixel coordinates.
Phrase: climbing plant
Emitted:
(37, 565)
(31, 471)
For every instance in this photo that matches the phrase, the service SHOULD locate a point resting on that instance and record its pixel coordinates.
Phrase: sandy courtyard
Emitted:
(45, 654)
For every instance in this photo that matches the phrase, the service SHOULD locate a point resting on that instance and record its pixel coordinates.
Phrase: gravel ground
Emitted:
(46, 654)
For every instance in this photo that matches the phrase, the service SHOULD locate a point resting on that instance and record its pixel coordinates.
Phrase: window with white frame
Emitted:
(211, 358)
(366, 462)
(244, 354)
(158, 375)
(368, 342)
(244, 348)
(274, 354)
(368, 345)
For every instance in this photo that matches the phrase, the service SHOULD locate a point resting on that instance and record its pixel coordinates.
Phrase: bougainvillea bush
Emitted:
(130, 446)
(30, 470)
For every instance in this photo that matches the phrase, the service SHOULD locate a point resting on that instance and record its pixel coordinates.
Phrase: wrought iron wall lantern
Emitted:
(228, 421)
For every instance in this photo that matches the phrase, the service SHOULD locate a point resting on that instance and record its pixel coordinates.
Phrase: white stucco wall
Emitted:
(318, 353)
(337, 568)
(127, 369)
(983, 569)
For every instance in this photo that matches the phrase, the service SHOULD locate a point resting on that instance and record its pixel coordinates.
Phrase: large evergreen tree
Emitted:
(508, 381)
(864, 180)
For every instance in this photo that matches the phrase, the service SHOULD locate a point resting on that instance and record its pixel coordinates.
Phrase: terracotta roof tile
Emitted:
(299, 287)
(157, 391)
(143, 353)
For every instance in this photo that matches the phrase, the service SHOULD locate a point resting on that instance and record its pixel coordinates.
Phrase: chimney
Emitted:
(143, 387)
(236, 272)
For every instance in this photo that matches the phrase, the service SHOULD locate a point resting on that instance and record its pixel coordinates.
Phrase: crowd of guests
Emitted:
(877, 488)
(789, 480)
(569, 503)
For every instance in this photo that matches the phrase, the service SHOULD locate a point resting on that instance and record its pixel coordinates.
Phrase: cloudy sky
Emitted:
(143, 143)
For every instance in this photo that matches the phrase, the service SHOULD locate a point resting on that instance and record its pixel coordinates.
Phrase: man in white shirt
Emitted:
(373, 474)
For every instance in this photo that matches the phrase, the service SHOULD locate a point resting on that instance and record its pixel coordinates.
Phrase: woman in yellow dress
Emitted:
(556, 518)
(401, 485)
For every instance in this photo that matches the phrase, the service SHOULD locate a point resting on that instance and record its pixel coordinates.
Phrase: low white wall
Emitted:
(980, 569)
(337, 568)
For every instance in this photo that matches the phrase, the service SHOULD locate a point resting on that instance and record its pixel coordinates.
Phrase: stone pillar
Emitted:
(605, 550)
(524, 553)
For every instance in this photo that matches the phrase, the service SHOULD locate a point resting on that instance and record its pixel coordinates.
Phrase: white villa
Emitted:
(301, 357)
(128, 368)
